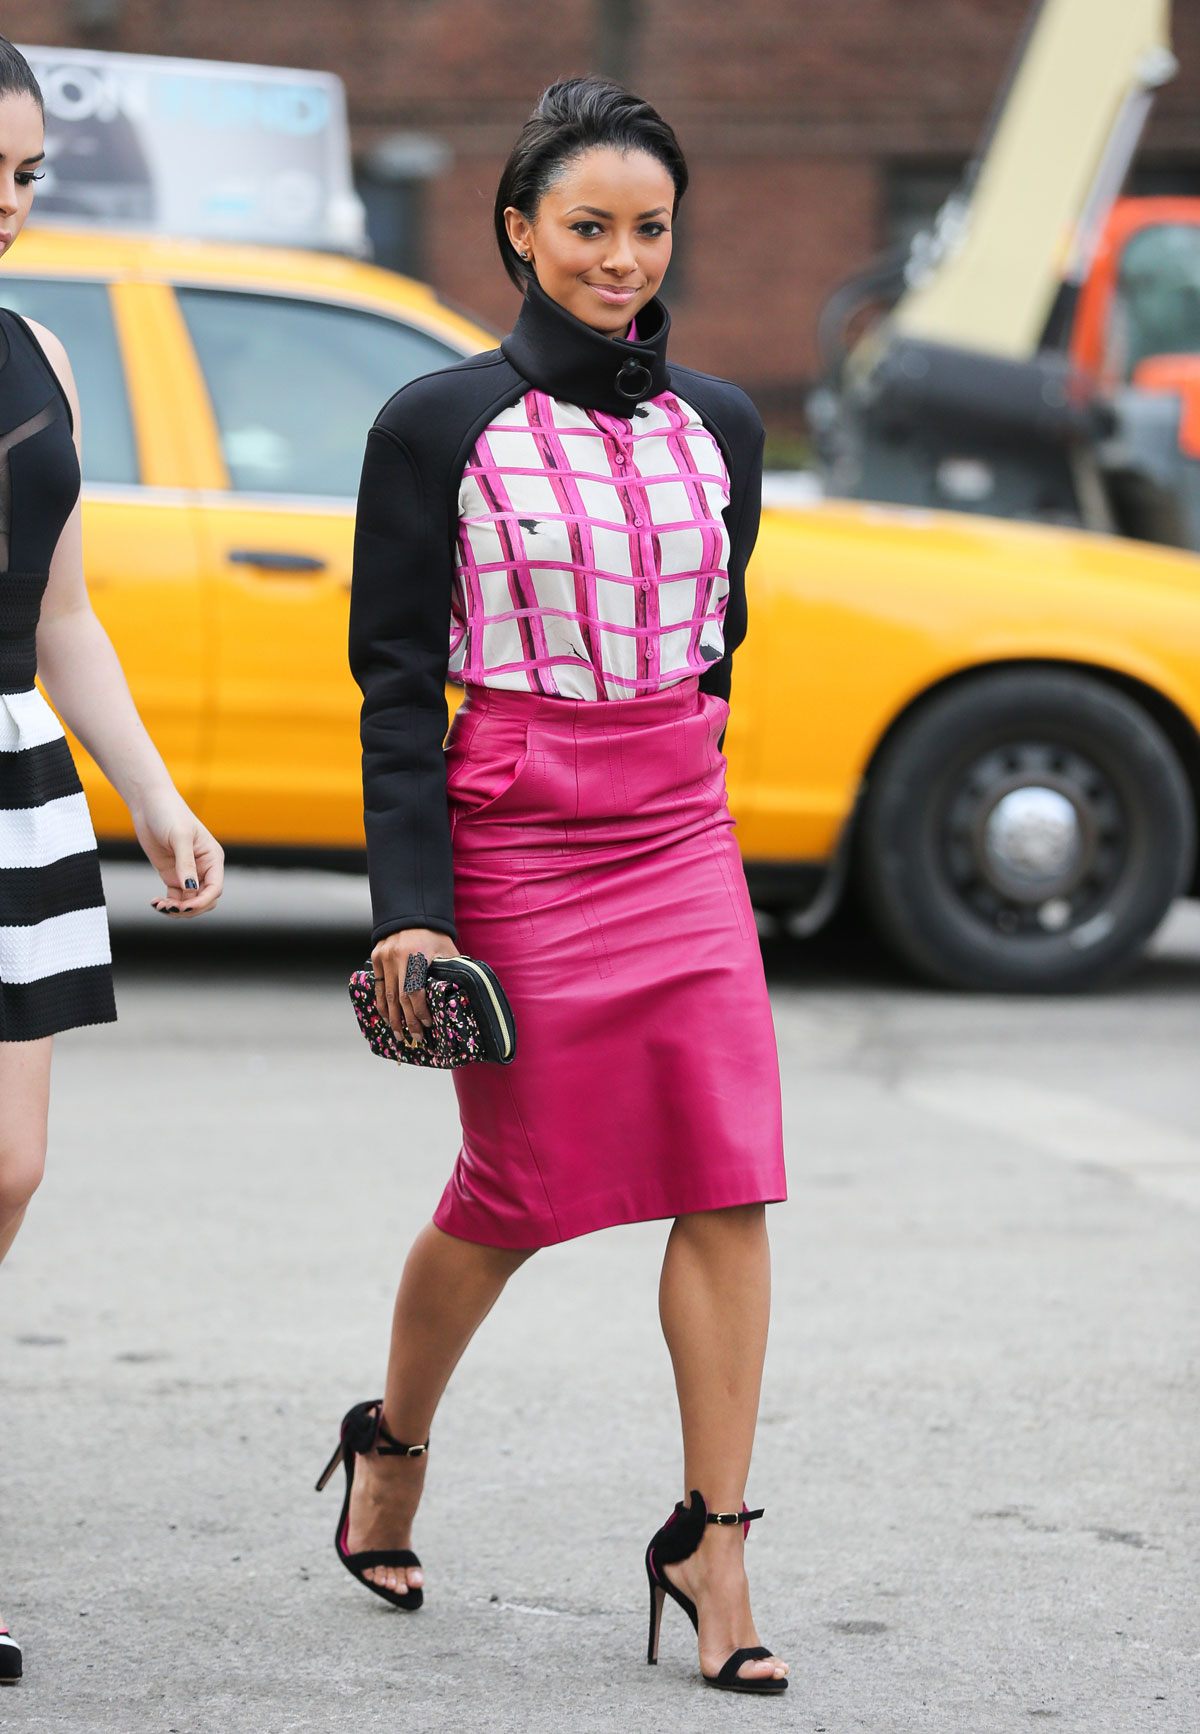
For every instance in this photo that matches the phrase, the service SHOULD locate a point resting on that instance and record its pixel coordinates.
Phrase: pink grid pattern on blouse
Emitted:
(593, 557)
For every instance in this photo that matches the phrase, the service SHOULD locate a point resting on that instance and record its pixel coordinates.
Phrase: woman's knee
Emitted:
(736, 1219)
(24, 1098)
(22, 1164)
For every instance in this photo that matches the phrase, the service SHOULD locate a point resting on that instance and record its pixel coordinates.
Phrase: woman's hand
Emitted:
(389, 960)
(187, 858)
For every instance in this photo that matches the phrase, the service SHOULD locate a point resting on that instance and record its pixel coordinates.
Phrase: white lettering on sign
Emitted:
(88, 93)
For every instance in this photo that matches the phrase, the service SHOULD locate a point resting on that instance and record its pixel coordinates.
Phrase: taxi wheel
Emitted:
(1024, 830)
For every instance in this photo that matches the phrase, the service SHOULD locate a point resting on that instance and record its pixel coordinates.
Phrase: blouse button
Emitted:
(638, 522)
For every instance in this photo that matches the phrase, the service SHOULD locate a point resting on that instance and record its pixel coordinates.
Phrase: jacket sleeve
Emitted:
(745, 505)
(399, 651)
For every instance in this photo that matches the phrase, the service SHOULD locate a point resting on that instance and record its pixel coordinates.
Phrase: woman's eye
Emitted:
(653, 230)
(593, 229)
(26, 177)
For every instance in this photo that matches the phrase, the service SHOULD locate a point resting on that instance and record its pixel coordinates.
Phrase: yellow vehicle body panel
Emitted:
(241, 673)
(243, 681)
(857, 610)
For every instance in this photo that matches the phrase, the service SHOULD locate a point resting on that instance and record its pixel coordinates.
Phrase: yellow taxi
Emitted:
(994, 729)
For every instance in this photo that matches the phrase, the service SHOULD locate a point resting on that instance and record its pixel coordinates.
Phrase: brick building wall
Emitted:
(807, 123)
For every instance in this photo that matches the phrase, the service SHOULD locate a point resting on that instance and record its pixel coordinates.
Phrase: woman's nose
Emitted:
(621, 259)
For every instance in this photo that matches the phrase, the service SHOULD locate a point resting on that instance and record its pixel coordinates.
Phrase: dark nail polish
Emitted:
(172, 909)
(191, 885)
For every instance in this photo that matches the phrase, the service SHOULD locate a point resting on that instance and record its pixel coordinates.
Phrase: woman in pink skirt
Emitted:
(564, 524)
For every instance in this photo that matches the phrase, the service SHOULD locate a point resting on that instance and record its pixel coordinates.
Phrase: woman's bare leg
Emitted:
(715, 1303)
(448, 1288)
(24, 1104)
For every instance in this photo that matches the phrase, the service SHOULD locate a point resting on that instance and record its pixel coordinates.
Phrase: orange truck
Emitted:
(1036, 354)
(1135, 340)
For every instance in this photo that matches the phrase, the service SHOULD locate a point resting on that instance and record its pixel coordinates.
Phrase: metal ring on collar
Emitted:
(634, 380)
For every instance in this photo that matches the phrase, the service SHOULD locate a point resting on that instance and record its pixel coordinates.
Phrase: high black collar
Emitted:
(561, 355)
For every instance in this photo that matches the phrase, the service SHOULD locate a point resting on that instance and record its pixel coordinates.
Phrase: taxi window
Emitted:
(80, 316)
(296, 384)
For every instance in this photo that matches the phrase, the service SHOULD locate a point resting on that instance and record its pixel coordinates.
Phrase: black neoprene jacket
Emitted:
(405, 557)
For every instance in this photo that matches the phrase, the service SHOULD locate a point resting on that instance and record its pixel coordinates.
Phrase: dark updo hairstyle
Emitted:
(16, 74)
(573, 116)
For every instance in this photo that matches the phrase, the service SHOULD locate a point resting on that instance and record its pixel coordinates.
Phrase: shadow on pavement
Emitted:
(314, 926)
(206, 949)
(845, 956)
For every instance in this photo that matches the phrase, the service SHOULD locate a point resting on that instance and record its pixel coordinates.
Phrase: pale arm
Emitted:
(81, 674)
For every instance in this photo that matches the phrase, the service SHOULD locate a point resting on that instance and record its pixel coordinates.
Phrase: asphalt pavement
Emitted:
(980, 1428)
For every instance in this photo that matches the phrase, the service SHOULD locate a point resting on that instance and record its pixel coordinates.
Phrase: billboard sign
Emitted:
(198, 148)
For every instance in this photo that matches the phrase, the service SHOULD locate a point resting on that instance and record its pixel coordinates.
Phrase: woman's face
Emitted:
(21, 152)
(601, 240)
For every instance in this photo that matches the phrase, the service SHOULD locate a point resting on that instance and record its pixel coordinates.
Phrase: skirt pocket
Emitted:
(716, 712)
(484, 761)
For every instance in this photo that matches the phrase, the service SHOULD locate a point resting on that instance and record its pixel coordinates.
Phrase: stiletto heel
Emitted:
(363, 1431)
(678, 1540)
(658, 1596)
(329, 1468)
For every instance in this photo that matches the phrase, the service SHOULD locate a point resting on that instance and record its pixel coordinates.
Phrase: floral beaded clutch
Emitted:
(472, 1019)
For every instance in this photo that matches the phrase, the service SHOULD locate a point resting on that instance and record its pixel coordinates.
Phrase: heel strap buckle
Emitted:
(727, 1519)
(386, 1446)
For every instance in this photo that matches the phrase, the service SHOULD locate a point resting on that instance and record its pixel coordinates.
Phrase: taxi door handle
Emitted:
(276, 560)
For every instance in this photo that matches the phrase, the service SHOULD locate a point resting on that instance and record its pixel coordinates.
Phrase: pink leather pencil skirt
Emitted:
(595, 869)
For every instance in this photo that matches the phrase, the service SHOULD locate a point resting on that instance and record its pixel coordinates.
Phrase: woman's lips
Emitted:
(614, 297)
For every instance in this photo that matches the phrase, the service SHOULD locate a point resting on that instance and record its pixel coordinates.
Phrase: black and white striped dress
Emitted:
(55, 963)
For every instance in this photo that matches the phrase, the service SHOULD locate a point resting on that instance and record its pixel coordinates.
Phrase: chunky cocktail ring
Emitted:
(415, 974)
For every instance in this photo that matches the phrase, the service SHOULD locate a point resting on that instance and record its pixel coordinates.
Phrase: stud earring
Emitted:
(524, 255)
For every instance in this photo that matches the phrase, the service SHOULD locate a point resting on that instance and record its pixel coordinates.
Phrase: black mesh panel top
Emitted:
(39, 484)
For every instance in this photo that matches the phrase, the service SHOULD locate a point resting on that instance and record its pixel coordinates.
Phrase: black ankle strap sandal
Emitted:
(362, 1432)
(729, 1518)
(678, 1540)
(10, 1658)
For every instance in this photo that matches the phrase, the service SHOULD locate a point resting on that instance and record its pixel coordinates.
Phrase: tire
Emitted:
(1025, 831)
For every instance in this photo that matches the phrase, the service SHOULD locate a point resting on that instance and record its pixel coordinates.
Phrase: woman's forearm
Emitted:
(85, 683)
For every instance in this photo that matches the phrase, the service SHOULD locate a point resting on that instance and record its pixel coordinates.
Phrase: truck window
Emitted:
(296, 384)
(1158, 294)
(80, 316)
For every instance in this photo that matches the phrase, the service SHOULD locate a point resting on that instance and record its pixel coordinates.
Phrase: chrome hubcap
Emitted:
(1032, 840)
